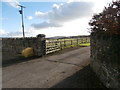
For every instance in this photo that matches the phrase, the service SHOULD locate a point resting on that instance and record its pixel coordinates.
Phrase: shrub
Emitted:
(108, 21)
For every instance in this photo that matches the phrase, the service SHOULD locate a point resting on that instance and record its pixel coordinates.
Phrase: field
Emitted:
(53, 45)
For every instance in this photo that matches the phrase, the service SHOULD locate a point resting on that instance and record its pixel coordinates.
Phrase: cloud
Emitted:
(29, 17)
(39, 14)
(3, 32)
(13, 3)
(15, 34)
(65, 12)
(45, 25)
(72, 28)
(28, 33)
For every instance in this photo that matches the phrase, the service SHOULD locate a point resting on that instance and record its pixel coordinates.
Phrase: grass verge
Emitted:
(85, 44)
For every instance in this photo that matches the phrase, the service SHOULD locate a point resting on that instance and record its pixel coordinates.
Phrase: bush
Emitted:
(108, 21)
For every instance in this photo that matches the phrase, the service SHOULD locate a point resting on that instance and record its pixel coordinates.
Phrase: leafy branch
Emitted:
(108, 21)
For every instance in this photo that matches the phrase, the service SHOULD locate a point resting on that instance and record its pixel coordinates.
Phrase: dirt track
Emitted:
(47, 72)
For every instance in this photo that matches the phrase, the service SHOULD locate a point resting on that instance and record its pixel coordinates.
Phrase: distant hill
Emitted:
(57, 37)
(62, 37)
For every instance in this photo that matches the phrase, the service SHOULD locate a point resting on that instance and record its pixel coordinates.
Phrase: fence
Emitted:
(53, 45)
(12, 47)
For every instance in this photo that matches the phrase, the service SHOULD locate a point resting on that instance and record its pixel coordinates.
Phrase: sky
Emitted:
(58, 18)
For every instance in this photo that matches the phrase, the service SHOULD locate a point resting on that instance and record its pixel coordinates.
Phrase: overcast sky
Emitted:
(68, 18)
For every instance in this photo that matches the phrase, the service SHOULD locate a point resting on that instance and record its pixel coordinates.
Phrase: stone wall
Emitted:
(12, 47)
(105, 58)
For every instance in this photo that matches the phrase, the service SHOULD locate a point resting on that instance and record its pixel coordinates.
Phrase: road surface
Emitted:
(45, 72)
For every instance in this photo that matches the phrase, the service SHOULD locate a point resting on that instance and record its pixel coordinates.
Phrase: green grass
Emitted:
(85, 44)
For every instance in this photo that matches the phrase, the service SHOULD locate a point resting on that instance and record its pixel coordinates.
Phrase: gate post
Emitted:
(41, 45)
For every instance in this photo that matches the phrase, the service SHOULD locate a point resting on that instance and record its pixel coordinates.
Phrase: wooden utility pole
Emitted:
(21, 12)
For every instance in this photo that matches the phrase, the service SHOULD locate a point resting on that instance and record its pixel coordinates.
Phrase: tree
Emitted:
(108, 21)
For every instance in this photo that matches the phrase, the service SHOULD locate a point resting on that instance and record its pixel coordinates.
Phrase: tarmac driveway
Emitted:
(47, 71)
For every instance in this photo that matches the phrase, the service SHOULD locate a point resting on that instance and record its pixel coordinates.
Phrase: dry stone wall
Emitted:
(12, 47)
(105, 58)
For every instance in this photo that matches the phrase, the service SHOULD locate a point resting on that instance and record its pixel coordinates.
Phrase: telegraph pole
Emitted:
(21, 12)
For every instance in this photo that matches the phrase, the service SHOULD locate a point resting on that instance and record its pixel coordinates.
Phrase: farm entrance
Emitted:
(53, 45)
